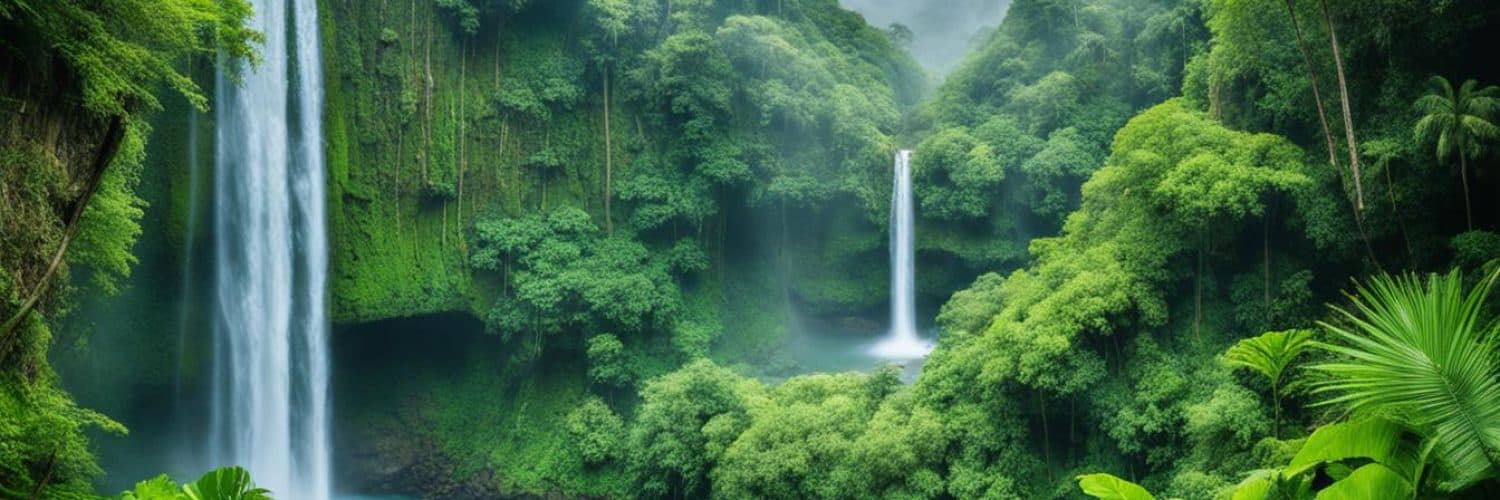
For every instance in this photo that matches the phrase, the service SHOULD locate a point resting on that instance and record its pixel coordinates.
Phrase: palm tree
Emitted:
(1460, 122)
(1270, 354)
(1419, 351)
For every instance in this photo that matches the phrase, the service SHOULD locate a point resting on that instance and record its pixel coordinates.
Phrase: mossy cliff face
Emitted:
(749, 148)
(423, 139)
(397, 80)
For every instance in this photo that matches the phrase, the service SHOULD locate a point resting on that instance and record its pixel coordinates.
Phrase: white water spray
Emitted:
(271, 396)
(902, 343)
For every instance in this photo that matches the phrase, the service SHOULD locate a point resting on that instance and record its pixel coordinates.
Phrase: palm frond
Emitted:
(1436, 126)
(1440, 83)
(1269, 353)
(1466, 89)
(1485, 102)
(1433, 103)
(1417, 350)
(1480, 128)
(1450, 141)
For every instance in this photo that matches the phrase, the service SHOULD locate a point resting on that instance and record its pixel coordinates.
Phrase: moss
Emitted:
(398, 250)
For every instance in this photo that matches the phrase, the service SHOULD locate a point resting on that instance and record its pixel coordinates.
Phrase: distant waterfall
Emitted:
(270, 397)
(903, 341)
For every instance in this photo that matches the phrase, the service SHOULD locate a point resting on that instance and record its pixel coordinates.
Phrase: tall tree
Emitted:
(1461, 124)
(1312, 79)
(1338, 64)
(613, 18)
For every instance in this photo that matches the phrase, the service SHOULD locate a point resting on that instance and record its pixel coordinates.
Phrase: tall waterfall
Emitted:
(903, 342)
(270, 401)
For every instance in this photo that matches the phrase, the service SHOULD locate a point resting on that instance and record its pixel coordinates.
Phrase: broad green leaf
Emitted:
(1272, 484)
(157, 488)
(1108, 487)
(1376, 439)
(1270, 353)
(1255, 487)
(227, 483)
(1371, 482)
(1417, 348)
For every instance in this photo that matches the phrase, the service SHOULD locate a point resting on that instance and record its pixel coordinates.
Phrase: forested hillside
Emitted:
(1201, 248)
(605, 182)
(665, 127)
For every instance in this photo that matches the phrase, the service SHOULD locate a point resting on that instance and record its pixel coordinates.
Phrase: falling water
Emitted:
(902, 343)
(270, 410)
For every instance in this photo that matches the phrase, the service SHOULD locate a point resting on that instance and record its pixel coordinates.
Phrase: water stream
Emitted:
(270, 398)
(903, 342)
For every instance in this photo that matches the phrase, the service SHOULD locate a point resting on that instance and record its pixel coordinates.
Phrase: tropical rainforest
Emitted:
(1236, 249)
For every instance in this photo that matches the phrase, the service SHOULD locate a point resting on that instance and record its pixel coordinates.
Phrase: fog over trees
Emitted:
(943, 29)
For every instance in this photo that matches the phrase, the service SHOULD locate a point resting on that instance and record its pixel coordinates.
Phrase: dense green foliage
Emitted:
(1122, 203)
(620, 186)
(228, 483)
(78, 77)
(1419, 351)
(561, 276)
(1204, 221)
(1029, 115)
(118, 53)
(671, 125)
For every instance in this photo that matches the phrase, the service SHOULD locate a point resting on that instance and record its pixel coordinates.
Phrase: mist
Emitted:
(943, 29)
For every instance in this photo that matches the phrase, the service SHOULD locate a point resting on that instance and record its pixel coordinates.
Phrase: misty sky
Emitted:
(943, 28)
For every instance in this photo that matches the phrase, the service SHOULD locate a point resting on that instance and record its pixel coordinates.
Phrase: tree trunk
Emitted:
(107, 149)
(452, 169)
(463, 65)
(500, 39)
(1276, 405)
(1046, 435)
(1266, 266)
(396, 184)
(1198, 292)
(415, 78)
(1072, 417)
(1390, 190)
(1338, 62)
(46, 477)
(609, 152)
(541, 169)
(1463, 173)
(1312, 78)
(427, 108)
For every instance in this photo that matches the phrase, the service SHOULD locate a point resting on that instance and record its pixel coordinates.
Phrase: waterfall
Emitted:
(270, 398)
(902, 343)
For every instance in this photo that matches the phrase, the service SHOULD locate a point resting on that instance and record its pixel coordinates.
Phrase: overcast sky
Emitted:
(943, 28)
